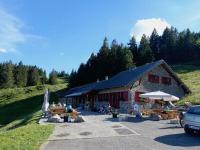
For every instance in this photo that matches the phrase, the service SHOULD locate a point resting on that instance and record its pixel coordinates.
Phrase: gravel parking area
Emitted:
(101, 132)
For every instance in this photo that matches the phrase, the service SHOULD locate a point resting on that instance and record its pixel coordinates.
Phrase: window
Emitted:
(166, 80)
(125, 96)
(153, 78)
(194, 110)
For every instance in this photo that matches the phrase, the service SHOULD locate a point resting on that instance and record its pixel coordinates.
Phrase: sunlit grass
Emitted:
(28, 137)
(20, 111)
(190, 75)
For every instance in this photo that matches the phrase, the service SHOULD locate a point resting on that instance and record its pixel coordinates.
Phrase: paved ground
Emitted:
(101, 132)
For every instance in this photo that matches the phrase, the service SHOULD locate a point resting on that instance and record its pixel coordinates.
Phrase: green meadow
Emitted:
(20, 110)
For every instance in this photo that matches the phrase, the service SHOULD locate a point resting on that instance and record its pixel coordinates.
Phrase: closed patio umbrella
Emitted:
(159, 95)
(45, 104)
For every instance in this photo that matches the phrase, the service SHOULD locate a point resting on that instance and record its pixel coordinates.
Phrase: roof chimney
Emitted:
(106, 77)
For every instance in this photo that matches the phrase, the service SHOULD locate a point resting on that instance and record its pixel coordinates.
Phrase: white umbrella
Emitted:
(159, 95)
(45, 104)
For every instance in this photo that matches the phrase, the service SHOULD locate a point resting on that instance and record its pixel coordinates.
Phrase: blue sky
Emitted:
(61, 34)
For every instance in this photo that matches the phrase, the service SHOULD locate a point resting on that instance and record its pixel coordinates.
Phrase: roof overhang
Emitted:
(77, 93)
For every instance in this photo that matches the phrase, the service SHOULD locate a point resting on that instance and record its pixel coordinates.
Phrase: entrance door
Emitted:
(114, 100)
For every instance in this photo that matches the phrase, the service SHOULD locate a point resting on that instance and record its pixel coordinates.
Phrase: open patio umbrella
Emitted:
(159, 95)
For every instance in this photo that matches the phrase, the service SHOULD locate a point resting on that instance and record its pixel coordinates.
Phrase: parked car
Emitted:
(191, 120)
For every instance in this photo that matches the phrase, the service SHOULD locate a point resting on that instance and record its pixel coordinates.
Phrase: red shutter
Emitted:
(137, 98)
(108, 96)
(157, 79)
(125, 96)
(149, 77)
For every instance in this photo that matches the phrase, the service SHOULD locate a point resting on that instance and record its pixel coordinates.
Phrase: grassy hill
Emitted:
(190, 75)
(20, 110)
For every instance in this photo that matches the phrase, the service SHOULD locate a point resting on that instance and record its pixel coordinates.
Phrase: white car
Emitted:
(192, 120)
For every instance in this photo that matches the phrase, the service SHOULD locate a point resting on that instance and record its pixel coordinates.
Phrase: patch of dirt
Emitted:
(85, 133)
(116, 126)
(63, 135)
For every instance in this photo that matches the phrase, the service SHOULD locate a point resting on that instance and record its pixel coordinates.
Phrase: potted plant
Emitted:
(115, 113)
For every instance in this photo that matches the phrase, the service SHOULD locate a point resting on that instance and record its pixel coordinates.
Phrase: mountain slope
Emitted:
(20, 110)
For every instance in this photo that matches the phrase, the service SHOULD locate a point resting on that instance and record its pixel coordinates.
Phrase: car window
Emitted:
(194, 110)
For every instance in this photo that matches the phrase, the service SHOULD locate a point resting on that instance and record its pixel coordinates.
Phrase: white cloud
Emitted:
(146, 26)
(2, 50)
(11, 33)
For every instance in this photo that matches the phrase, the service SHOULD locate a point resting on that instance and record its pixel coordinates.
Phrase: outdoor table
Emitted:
(172, 114)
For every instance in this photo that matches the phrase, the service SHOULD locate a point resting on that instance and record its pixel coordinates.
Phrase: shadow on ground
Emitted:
(91, 113)
(172, 127)
(126, 119)
(182, 140)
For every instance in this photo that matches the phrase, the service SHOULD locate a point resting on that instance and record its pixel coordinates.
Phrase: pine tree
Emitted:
(20, 75)
(145, 52)
(125, 59)
(72, 79)
(114, 64)
(33, 76)
(6, 75)
(53, 77)
(155, 44)
(42, 76)
(92, 68)
(133, 48)
(168, 44)
(102, 60)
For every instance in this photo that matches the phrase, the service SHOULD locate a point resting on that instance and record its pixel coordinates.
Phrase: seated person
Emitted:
(69, 109)
(156, 105)
(168, 105)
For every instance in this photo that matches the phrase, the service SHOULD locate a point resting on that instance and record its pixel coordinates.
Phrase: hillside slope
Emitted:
(190, 75)
(20, 110)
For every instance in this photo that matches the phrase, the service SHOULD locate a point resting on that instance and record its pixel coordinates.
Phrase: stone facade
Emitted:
(146, 86)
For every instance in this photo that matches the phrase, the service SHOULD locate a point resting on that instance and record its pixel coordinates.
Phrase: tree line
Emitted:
(172, 46)
(20, 75)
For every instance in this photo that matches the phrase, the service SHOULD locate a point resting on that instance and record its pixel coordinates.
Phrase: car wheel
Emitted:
(187, 130)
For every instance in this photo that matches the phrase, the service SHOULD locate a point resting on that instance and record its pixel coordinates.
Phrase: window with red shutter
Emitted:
(153, 78)
(166, 81)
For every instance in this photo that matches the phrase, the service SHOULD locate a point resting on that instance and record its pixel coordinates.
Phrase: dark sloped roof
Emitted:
(82, 89)
(122, 79)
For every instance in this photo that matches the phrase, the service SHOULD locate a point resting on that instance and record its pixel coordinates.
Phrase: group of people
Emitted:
(105, 109)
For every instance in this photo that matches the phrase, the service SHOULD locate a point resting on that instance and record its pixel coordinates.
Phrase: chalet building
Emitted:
(123, 89)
